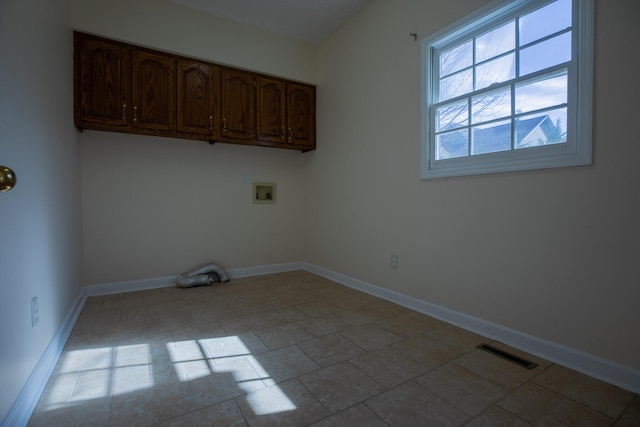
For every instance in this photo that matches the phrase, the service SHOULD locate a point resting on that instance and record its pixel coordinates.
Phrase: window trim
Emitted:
(577, 151)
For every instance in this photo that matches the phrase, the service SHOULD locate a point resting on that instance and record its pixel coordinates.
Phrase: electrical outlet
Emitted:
(394, 262)
(34, 311)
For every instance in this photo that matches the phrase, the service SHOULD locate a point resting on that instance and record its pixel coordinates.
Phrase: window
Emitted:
(509, 88)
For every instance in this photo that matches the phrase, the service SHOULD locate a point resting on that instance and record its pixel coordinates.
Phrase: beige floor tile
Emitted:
(283, 316)
(355, 318)
(285, 404)
(207, 314)
(388, 366)
(243, 323)
(196, 331)
(370, 337)
(282, 336)
(330, 349)
(502, 372)
(211, 384)
(464, 389)
(324, 325)
(412, 405)
(57, 393)
(386, 309)
(226, 348)
(358, 415)
(428, 351)
(407, 325)
(223, 414)
(354, 302)
(317, 308)
(543, 407)
(631, 416)
(495, 416)
(341, 386)
(598, 395)
(195, 356)
(94, 413)
(457, 337)
(151, 406)
(283, 364)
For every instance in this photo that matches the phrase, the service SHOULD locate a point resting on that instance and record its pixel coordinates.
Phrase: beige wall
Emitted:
(169, 26)
(40, 218)
(550, 253)
(158, 207)
(155, 207)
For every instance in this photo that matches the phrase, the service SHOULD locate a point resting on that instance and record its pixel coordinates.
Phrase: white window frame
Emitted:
(576, 151)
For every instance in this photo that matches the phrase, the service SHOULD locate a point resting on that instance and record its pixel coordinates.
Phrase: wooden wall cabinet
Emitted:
(286, 113)
(238, 105)
(153, 91)
(102, 84)
(124, 88)
(197, 98)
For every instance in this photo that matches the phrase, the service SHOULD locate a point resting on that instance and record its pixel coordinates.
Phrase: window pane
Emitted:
(456, 59)
(542, 129)
(541, 93)
(546, 54)
(496, 71)
(452, 116)
(491, 106)
(457, 84)
(452, 144)
(492, 138)
(545, 21)
(496, 42)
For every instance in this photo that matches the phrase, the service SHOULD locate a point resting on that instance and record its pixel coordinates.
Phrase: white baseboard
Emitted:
(167, 281)
(596, 367)
(28, 399)
(129, 286)
(266, 269)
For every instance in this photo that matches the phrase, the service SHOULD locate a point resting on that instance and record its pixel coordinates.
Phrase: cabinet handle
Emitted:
(283, 133)
(124, 111)
(210, 122)
(224, 124)
(135, 114)
(289, 134)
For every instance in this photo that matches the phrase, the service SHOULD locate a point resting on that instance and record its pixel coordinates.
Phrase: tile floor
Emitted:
(297, 349)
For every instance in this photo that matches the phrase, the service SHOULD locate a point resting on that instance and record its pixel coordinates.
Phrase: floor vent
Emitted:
(507, 356)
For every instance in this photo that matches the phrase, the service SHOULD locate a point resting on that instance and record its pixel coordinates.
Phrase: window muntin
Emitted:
(506, 85)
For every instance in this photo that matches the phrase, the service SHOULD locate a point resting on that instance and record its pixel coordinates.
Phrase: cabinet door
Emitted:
(301, 115)
(238, 105)
(196, 97)
(153, 91)
(271, 115)
(101, 82)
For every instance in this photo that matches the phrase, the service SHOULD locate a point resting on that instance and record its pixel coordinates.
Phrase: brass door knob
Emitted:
(7, 179)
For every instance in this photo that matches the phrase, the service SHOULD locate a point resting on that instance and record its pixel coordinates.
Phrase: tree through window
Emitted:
(502, 90)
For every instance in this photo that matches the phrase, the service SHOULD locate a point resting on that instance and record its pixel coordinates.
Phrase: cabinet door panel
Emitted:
(102, 96)
(301, 115)
(153, 91)
(196, 97)
(271, 116)
(238, 105)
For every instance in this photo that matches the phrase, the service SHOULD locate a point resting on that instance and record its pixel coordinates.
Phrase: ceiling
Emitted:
(309, 20)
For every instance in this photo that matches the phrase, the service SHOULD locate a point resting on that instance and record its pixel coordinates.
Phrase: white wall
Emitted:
(40, 218)
(549, 253)
(155, 207)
